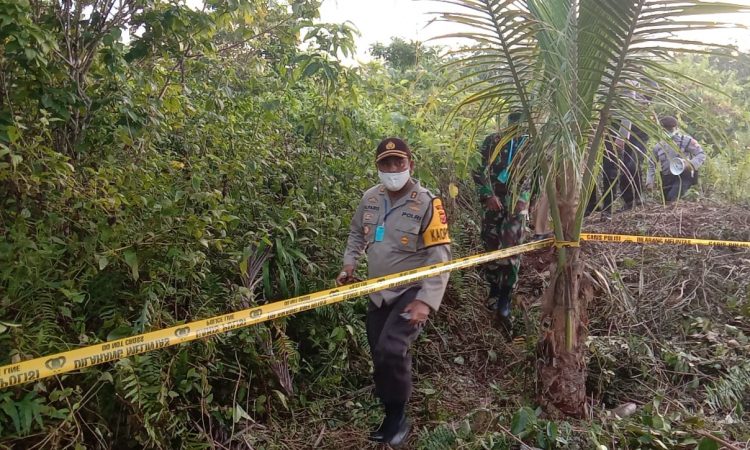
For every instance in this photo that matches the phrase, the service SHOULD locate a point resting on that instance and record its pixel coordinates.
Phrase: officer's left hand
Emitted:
(419, 312)
(620, 143)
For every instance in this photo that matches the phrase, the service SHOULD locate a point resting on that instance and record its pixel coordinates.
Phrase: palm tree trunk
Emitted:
(561, 363)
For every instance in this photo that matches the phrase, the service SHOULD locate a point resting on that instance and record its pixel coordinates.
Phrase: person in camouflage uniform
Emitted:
(502, 221)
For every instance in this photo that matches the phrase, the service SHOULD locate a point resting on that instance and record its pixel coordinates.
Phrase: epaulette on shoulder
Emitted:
(426, 192)
(371, 196)
(374, 190)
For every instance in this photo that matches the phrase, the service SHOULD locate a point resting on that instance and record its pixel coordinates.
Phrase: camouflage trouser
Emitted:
(502, 229)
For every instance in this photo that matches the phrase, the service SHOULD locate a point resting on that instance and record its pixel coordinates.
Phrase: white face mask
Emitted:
(394, 181)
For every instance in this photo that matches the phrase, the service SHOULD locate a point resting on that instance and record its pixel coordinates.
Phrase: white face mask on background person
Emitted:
(394, 181)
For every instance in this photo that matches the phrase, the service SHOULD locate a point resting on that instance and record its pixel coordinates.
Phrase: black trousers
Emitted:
(631, 184)
(675, 186)
(610, 170)
(628, 170)
(390, 337)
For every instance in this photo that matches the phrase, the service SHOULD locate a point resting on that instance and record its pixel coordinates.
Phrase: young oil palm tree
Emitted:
(571, 67)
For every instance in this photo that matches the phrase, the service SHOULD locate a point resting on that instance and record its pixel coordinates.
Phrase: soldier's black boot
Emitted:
(492, 299)
(502, 312)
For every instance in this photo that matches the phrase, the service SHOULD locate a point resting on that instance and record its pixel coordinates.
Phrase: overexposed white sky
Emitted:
(378, 20)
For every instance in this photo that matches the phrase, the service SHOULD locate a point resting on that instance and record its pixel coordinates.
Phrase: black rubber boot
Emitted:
(401, 434)
(625, 207)
(395, 414)
(492, 299)
(377, 434)
(503, 302)
(502, 312)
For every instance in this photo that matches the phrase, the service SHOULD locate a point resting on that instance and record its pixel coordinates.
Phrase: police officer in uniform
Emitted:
(503, 221)
(400, 226)
(676, 146)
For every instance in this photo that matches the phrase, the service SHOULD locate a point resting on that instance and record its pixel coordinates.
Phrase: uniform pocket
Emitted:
(369, 224)
(407, 234)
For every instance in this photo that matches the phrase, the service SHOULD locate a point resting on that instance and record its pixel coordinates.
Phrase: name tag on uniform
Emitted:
(379, 233)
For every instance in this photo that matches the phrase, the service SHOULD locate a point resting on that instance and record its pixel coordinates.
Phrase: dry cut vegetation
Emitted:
(667, 335)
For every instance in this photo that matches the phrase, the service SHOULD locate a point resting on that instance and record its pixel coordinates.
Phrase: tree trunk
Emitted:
(561, 364)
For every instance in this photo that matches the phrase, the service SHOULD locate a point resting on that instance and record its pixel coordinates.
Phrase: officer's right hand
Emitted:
(493, 203)
(345, 276)
(418, 312)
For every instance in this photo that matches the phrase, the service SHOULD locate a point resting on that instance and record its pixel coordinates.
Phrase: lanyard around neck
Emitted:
(510, 151)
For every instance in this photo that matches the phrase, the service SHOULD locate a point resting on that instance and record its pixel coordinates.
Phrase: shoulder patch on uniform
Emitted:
(437, 231)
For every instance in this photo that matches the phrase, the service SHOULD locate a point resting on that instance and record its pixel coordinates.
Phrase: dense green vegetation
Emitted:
(718, 114)
(205, 164)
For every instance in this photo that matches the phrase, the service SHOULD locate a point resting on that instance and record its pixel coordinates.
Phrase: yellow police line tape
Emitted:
(601, 237)
(57, 364)
(47, 366)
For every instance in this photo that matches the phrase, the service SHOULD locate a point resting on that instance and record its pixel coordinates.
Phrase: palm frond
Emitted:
(572, 66)
(503, 49)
